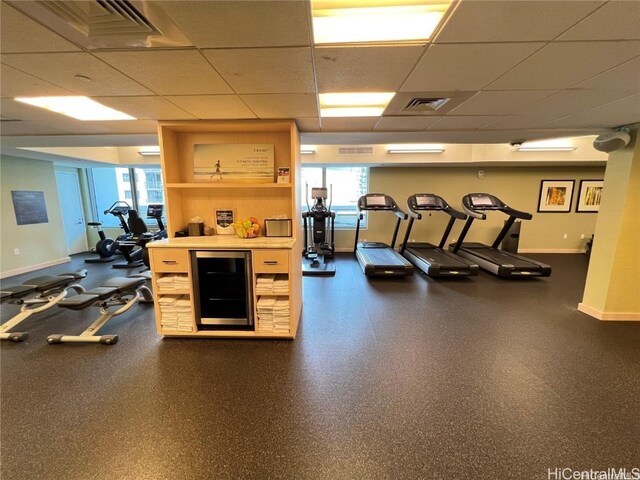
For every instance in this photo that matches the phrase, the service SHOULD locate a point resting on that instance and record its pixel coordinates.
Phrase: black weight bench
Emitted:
(37, 295)
(122, 292)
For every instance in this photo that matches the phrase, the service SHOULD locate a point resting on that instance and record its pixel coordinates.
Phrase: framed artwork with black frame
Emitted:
(589, 196)
(555, 196)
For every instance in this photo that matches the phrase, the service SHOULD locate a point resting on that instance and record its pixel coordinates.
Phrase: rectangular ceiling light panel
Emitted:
(80, 108)
(373, 21)
(360, 104)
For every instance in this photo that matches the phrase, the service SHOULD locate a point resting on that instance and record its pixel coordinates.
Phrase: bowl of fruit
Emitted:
(247, 228)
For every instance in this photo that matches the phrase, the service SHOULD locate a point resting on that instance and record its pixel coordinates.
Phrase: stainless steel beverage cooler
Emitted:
(223, 295)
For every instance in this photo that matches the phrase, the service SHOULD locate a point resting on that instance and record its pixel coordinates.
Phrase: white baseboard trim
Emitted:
(615, 316)
(31, 268)
(551, 250)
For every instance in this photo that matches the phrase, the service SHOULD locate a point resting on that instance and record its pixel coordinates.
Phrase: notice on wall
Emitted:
(233, 163)
(30, 207)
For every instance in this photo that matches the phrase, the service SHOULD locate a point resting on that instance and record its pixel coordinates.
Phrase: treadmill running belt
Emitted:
(383, 256)
(502, 258)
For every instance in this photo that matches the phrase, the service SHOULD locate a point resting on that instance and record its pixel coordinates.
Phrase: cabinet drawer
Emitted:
(271, 261)
(169, 260)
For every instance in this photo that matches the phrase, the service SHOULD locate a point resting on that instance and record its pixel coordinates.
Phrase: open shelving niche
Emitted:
(186, 198)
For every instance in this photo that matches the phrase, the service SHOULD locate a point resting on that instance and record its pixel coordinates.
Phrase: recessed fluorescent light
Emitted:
(545, 146)
(307, 149)
(80, 108)
(362, 21)
(148, 151)
(360, 104)
(415, 148)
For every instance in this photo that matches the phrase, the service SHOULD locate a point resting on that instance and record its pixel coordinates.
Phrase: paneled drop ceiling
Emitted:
(521, 69)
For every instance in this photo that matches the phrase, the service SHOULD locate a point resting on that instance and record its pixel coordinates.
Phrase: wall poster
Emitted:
(233, 163)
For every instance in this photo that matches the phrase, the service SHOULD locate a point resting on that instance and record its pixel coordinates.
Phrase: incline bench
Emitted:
(123, 292)
(47, 291)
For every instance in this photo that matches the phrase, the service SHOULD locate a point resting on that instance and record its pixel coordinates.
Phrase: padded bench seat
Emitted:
(17, 291)
(123, 284)
(47, 282)
(88, 298)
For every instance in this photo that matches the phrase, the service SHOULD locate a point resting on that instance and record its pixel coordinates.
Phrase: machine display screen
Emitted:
(483, 201)
(319, 193)
(425, 200)
(375, 201)
(154, 210)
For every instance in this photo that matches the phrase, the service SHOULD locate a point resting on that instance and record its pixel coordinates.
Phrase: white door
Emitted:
(75, 231)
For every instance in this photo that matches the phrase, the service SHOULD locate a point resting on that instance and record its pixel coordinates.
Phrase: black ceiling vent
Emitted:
(425, 104)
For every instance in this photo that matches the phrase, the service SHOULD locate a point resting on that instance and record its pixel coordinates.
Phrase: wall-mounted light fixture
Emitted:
(307, 149)
(415, 148)
(543, 146)
(149, 151)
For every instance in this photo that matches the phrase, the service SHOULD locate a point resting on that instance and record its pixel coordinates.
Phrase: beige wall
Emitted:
(40, 244)
(518, 187)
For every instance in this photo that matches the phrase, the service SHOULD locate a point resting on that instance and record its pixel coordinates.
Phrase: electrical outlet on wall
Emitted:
(16, 251)
(564, 236)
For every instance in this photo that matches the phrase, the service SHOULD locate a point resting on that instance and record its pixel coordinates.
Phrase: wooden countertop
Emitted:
(225, 241)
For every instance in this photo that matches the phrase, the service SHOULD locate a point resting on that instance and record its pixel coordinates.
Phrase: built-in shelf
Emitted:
(229, 185)
(174, 292)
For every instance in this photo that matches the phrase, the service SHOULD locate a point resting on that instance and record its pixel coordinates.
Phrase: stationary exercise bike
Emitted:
(155, 212)
(106, 247)
(133, 248)
(319, 225)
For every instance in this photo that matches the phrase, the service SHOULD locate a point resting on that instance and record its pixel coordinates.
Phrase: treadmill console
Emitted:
(377, 202)
(155, 210)
(425, 201)
(483, 201)
(319, 192)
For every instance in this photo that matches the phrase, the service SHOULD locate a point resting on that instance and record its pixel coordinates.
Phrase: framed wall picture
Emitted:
(555, 196)
(589, 196)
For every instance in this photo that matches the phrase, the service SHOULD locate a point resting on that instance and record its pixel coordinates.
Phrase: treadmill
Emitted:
(378, 259)
(431, 259)
(490, 258)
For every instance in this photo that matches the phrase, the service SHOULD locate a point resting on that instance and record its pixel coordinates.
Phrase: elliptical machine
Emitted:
(319, 225)
(105, 247)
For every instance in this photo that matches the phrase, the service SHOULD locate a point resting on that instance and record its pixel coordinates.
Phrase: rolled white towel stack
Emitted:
(173, 282)
(273, 314)
(265, 313)
(175, 313)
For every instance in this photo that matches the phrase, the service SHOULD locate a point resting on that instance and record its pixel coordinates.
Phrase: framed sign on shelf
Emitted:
(589, 195)
(555, 196)
(251, 163)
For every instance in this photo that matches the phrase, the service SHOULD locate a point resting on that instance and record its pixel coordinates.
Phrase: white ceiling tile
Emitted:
(466, 66)
(308, 124)
(122, 127)
(265, 70)
(348, 124)
(563, 64)
(169, 72)
(512, 20)
(212, 107)
(14, 83)
(520, 122)
(282, 105)
(622, 77)
(364, 69)
(624, 111)
(61, 69)
(221, 24)
(400, 123)
(500, 103)
(21, 34)
(616, 20)
(146, 108)
(571, 101)
(460, 122)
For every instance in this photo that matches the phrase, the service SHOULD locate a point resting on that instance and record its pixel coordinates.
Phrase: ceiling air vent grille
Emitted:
(100, 18)
(355, 150)
(425, 104)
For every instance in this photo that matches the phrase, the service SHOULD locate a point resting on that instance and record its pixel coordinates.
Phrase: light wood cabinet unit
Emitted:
(275, 261)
